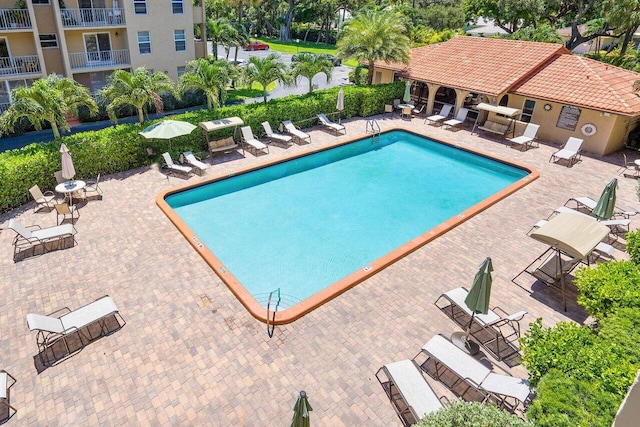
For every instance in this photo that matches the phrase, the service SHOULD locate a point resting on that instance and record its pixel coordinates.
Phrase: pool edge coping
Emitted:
(327, 294)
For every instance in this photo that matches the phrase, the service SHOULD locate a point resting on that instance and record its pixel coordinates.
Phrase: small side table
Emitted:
(69, 187)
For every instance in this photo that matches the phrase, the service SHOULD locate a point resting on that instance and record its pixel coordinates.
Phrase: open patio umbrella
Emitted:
(168, 129)
(68, 171)
(340, 104)
(477, 301)
(301, 411)
(407, 92)
(607, 201)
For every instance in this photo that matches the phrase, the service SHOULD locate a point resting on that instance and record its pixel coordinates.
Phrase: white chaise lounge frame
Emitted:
(33, 235)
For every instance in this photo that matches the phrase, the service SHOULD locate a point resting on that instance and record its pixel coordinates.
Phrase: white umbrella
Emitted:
(167, 129)
(68, 171)
(340, 104)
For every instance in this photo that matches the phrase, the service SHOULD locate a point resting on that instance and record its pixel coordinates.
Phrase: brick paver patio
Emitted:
(191, 355)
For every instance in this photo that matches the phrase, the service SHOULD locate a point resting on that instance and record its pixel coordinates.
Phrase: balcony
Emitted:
(14, 19)
(94, 17)
(107, 59)
(20, 65)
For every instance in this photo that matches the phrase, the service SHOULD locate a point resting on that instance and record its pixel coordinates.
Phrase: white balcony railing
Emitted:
(14, 19)
(4, 106)
(94, 17)
(17, 65)
(103, 59)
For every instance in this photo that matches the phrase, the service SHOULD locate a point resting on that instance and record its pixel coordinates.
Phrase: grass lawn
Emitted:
(292, 48)
(245, 93)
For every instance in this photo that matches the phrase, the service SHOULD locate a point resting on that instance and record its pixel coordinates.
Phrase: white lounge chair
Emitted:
(198, 166)
(331, 125)
(508, 391)
(6, 382)
(42, 200)
(501, 329)
(44, 237)
(168, 161)
(407, 383)
(570, 152)
(297, 133)
(460, 118)
(437, 118)
(528, 138)
(53, 327)
(588, 204)
(252, 142)
(276, 137)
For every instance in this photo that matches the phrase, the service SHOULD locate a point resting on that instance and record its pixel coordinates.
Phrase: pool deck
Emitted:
(190, 354)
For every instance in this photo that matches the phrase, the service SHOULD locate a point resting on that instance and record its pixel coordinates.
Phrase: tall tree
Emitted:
(221, 32)
(140, 88)
(48, 101)
(265, 71)
(375, 36)
(212, 78)
(624, 16)
(308, 65)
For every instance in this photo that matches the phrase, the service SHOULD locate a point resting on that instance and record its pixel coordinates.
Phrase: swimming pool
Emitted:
(316, 225)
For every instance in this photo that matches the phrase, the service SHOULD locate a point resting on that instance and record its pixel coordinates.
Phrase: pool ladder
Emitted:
(270, 325)
(372, 127)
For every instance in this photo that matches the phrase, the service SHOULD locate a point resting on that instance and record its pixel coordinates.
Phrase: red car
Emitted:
(256, 46)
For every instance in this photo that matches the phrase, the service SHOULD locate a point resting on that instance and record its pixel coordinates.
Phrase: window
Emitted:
(140, 7)
(181, 71)
(40, 1)
(48, 41)
(177, 6)
(527, 110)
(180, 40)
(144, 42)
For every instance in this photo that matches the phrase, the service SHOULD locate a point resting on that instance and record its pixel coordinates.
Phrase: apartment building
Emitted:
(88, 39)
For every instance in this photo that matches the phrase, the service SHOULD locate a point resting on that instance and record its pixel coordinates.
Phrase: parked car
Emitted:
(335, 61)
(256, 45)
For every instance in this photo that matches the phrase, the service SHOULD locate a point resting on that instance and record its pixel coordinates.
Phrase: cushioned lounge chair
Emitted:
(39, 237)
(528, 138)
(276, 137)
(508, 392)
(198, 166)
(442, 115)
(173, 168)
(460, 118)
(42, 200)
(406, 383)
(570, 152)
(58, 325)
(6, 382)
(331, 125)
(497, 331)
(297, 133)
(249, 140)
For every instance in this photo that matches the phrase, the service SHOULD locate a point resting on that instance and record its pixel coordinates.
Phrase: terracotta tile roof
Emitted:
(483, 65)
(572, 79)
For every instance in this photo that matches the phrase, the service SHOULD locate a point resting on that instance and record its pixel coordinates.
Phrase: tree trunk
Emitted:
(626, 40)
(264, 94)
(327, 32)
(370, 76)
(141, 115)
(310, 84)
(285, 27)
(54, 129)
(209, 103)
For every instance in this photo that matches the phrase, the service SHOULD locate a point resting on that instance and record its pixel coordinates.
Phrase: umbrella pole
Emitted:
(468, 331)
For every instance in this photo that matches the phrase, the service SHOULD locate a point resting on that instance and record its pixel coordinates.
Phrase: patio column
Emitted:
(460, 97)
(433, 89)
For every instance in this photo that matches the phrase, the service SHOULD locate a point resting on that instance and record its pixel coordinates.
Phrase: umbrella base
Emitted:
(468, 346)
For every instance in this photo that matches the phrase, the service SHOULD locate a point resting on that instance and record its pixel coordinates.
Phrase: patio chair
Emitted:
(331, 125)
(64, 209)
(252, 142)
(93, 188)
(42, 200)
(388, 109)
(419, 109)
(442, 115)
(528, 138)
(496, 329)
(198, 166)
(6, 382)
(57, 326)
(629, 166)
(297, 133)
(406, 113)
(173, 168)
(45, 237)
(460, 118)
(396, 102)
(406, 384)
(58, 176)
(588, 204)
(507, 391)
(570, 152)
(276, 137)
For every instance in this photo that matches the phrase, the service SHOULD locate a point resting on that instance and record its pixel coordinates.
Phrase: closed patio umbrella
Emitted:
(607, 201)
(407, 93)
(301, 411)
(340, 103)
(168, 129)
(68, 171)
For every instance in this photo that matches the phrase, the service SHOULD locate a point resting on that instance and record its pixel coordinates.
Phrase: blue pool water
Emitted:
(304, 224)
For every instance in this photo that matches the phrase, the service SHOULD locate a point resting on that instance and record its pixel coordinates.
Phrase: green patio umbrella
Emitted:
(301, 411)
(407, 92)
(607, 201)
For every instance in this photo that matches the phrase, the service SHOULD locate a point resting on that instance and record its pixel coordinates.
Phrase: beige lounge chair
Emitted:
(6, 382)
(276, 137)
(324, 120)
(297, 133)
(528, 138)
(199, 167)
(42, 200)
(460, 118)
(44, 237)
(252, 142)
(570, 152)
(173, 168)
(437, 118)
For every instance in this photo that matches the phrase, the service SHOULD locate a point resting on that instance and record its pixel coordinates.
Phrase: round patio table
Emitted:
(69, 187)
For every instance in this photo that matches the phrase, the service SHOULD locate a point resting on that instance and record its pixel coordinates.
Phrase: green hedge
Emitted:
(120, 148)
(471, 414)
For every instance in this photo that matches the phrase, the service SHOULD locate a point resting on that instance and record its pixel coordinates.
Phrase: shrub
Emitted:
(472, 414)
(633, 243)
(607, 287)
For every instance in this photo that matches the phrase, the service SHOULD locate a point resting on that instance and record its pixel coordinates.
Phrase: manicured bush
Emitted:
(608, 287)
(472, 414)
(633, 245)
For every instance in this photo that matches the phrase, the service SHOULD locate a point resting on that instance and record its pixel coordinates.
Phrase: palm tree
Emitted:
(48, 101)
(210, 77)
(220, 31)
(375, 36)
(139, 88)
(265, 71)
(309, 64)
